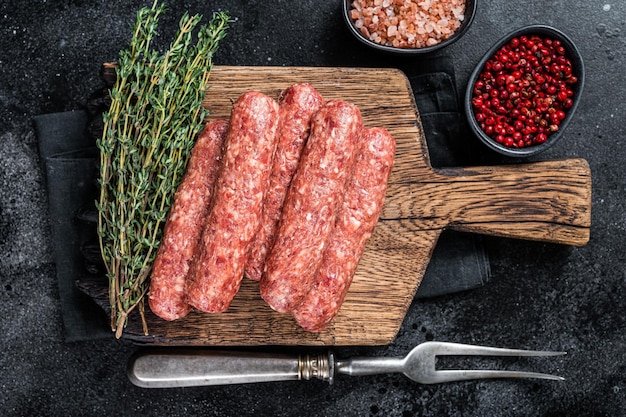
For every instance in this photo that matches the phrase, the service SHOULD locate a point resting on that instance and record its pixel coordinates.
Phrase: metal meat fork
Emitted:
(154, 369)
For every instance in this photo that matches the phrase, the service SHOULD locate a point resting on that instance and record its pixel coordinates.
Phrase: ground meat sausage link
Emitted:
(234, 219)
(298, 103)
(355, 223)
(184, 224)
(311, 204)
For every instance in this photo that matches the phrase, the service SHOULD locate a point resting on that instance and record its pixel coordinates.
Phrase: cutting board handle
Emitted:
(546, 201)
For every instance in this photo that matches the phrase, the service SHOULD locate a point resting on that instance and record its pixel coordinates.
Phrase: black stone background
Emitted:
(541, 296)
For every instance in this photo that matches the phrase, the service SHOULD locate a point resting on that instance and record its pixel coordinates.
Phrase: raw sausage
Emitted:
(355, 223)
(234, 219)
(298, 103)
(184, 224)
(311, 204)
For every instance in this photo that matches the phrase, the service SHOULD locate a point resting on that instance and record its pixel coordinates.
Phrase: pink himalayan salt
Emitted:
(407, 23)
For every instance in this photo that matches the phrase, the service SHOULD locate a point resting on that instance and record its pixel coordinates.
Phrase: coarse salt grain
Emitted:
(407, 23)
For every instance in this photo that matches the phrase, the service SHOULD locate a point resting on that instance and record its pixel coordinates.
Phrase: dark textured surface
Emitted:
(540, 296)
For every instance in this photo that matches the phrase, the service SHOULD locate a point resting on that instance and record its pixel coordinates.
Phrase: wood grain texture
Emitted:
(546, 201)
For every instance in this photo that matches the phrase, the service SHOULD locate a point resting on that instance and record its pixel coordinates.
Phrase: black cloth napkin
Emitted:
(70, 161)
(70, 164)
(459, 261)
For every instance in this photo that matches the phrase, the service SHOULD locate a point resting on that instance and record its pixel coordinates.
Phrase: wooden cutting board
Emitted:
(544, 201)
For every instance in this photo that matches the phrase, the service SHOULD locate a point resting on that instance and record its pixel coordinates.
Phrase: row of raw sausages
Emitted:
(284, 193)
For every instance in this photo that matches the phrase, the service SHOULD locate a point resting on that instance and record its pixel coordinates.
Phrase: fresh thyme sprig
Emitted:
(155, 114)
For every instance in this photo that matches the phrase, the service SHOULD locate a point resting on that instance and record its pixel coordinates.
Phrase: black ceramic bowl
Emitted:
(470, 10)
(577, 69)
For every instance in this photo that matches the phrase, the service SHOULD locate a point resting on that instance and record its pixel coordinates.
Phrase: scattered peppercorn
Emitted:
(524, 91)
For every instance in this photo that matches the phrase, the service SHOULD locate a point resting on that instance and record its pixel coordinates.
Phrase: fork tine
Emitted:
(458, 349)
(464, 375)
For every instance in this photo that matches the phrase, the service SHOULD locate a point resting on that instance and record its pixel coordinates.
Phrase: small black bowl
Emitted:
(578, 70)
(470, 11)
